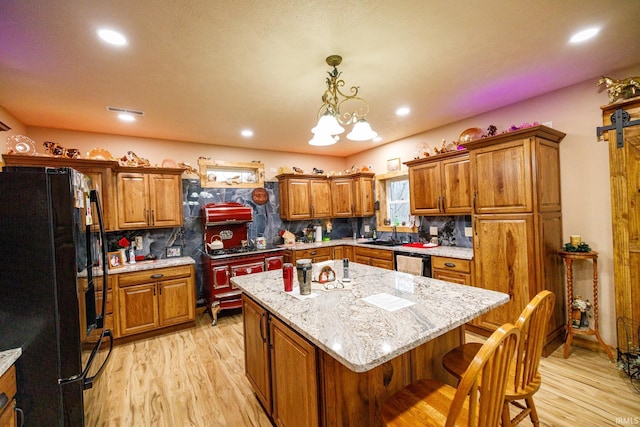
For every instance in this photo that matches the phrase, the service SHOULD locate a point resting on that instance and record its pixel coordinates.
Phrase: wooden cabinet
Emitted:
(101, 173)
(147, 199)
(343, 251)
(624, 170)
(451, 269)
(8, 388)
(153, 299)
(304, 197)
(315, 254)
(517, 221)
(440, 184)
(352, 195)
(375, 257)
(289, 396)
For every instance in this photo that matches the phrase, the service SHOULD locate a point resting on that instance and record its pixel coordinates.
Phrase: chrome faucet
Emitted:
(394, 236)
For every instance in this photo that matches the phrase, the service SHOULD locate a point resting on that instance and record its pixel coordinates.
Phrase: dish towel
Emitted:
(409, 264)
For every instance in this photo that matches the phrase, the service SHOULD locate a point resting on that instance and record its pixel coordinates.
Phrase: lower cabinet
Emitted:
(451, 270)
(374, 257)
(154, 299)
(8, 390)
(315, 254)
(344, 251)
(289, 396)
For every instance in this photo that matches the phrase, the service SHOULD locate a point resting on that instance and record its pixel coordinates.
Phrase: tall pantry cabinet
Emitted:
(517, 221)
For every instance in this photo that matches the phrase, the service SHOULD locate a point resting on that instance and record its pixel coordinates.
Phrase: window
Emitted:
(398, 209)
(392, 192)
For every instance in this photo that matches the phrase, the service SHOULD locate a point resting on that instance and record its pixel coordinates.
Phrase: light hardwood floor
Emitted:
(195, 377)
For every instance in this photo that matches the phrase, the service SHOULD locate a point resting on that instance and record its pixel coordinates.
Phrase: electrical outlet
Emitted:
(138, 242)
(367, 229)
(433, 231)
(468, 232)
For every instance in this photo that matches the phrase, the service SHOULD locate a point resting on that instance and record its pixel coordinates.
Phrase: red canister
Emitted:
(287, 276)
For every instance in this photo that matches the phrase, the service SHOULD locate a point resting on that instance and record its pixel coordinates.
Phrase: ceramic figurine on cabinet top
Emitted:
(625, 88)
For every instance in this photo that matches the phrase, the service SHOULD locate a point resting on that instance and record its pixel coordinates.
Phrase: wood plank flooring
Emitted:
(195, 377)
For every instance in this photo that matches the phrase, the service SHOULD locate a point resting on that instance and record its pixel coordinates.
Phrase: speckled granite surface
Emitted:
(360, 335)
(145, 265)
(445, 251)
(8, 358)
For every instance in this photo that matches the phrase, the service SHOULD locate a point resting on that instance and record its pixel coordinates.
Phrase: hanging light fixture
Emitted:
(332, 115)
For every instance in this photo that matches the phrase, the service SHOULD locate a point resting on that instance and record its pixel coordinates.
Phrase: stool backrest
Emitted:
(533, 324)
(485, 380)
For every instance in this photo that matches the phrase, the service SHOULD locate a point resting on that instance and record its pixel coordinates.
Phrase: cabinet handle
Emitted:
(147, 215)
(449, 264)
(153, 217)
(19, 416)
(475, 196)
(157, 276)
(262, 335)
(314, 252)
(442, 204)
(160, 288)
(154, 291)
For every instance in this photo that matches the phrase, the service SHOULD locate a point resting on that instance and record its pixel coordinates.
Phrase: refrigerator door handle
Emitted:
(88, 382)
(93, 197)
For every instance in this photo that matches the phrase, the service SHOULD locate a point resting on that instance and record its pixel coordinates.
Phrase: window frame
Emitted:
(381, 192)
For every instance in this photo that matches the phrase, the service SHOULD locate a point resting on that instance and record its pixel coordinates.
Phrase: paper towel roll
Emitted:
(318, 233)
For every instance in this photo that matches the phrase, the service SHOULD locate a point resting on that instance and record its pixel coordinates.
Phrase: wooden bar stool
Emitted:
(524, 378)
(473, 403)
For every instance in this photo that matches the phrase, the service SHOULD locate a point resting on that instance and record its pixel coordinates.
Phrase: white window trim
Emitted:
(381, 193)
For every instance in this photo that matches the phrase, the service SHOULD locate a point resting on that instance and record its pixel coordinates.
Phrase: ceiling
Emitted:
(203, 70)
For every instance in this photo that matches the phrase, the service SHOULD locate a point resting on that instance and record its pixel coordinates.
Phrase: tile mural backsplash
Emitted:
(267, 223)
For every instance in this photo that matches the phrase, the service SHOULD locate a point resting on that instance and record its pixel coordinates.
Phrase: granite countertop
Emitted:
(360, 335)
(144, 265)
(8, 358)
(444, 251)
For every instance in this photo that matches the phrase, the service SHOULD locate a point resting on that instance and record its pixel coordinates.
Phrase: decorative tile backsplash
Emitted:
(267, 223)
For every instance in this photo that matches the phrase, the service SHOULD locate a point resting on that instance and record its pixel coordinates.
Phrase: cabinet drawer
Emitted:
(312, 253)
(156, 275)
(452, 264)
(373, 253)
(8, 383)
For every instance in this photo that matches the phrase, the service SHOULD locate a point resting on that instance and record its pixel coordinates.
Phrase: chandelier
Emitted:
(332, 115)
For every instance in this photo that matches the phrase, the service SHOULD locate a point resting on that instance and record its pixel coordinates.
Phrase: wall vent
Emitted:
(4, 127)
(124, 110)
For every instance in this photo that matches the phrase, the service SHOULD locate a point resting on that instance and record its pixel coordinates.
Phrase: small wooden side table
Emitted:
(568, 258)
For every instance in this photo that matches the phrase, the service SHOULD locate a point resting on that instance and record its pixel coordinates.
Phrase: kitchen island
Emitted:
(334, 358)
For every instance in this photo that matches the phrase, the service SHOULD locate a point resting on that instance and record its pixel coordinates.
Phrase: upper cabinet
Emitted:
(149, 198)
(440, 184)
(352, 195)
(100, 172)
(315, 197)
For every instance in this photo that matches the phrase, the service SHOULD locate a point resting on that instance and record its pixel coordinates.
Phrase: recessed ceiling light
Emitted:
(403, 111)
(112, 37)
(126, 117)
(377, 139)
(583, 35)
(247, 133)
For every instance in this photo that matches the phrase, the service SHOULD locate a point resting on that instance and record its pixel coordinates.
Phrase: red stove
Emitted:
(228, 254)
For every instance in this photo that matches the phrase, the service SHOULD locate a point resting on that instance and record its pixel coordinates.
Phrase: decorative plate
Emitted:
(20, 144)
(470, 134)
(99, 154)
(169, 163)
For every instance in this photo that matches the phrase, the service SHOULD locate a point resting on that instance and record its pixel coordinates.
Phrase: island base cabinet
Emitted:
(354, 399)
(256, 351)
(293, 378)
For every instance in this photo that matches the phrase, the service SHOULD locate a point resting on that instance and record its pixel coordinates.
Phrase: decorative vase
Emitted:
(123, 254)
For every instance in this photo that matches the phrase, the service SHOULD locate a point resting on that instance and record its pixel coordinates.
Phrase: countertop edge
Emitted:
(8, 358)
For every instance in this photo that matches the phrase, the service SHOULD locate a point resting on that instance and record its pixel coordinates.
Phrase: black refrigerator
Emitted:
(51, 253)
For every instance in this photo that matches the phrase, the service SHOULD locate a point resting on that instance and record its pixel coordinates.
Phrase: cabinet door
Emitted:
(299, 200)
(165, 200)
(364, 197)
(294, 391)
(101, 180)
(138, 308)
(133, 205)
(256, 350)
(425, 184)
(504, 261)
(273, 262)
(342, 204)
(456, 185)
(176, 301)
(320, 198)
(501, 179)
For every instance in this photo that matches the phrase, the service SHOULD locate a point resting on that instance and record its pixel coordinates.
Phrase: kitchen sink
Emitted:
(383, 243)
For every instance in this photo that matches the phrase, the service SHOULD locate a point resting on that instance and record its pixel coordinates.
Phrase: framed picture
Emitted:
(115, 259)
(393, 165)
(174, 251)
